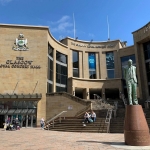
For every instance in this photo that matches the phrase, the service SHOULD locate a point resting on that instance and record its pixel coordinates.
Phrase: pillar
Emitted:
(26, 120)
(86, 94)
(31, 120)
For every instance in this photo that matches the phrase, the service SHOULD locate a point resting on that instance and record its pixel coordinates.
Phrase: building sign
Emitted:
(92, 61)
(20, 43)
(19, 63)
(94, 46)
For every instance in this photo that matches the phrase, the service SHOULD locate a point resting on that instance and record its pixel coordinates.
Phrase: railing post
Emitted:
(53, 123)
(59, 119)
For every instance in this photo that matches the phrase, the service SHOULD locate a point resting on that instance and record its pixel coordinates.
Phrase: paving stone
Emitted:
(37, 139)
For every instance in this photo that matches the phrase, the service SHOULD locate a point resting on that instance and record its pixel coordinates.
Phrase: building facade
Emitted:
(34, 64)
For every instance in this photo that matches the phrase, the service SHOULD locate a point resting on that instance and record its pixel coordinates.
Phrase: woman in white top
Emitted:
(93, 116)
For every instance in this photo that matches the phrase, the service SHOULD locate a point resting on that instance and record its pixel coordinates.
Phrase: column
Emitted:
(80, 65)
(86, 94)
(26, 121)
(54, 70)
(85, 65)
(11, 118)
(73, 90)
(97, 65)
(21, 120)
(31, 120)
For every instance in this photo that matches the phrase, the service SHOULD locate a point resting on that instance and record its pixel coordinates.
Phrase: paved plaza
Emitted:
(37, 139)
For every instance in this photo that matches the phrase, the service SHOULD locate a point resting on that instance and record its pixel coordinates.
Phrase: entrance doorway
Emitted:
(2, 120)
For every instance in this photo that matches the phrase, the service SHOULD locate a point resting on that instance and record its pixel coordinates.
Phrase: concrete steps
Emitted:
(117, 125)
(76, 125)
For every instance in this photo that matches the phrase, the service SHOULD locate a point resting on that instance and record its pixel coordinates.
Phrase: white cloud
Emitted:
(3, 2)
(62, 25)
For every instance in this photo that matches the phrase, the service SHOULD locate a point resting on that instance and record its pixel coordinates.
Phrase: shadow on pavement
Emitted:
(107, 143)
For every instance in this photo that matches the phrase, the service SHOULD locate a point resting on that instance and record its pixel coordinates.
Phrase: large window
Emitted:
(75, 63)
(92, 66)
(146, 47)
(110, 65)
(50, 69)
(61, 72)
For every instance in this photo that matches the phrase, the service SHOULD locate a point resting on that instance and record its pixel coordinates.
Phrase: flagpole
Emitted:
(108, 28)
(74, 26)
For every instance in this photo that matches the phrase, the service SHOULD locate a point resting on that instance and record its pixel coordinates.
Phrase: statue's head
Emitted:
(129, 62)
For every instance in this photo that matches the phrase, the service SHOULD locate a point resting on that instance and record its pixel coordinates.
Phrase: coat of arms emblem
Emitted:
(20, 43)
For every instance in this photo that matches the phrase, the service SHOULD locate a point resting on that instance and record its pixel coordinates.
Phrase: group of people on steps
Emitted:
(89, 117)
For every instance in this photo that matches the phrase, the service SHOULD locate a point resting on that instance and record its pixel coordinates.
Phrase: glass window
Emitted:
(63, 80)
(64, 70)
(110, 73)
(110, 60)
(92, 65)
(75, 72)
(75, 56)
(61, 71)
(61, 57)
(58, 68)
(50, 69)
(75, 59)
(49, 88)
(60, 89)
(58, 78)
(50, 50)
(92, 74)
(110, 65)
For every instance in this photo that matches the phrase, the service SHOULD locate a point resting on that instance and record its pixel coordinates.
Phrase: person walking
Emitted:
(42, 123)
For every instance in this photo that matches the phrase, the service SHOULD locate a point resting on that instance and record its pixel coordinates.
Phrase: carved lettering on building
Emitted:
(94, 46)
(19, 63)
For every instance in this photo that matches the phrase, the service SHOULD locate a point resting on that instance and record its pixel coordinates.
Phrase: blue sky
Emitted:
(125, 16)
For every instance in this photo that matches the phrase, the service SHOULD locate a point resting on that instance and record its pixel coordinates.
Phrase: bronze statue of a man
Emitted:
(131, 82)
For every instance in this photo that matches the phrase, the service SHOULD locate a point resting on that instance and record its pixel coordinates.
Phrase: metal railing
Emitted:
(82, 111)
(55, 117)
(108, 118)
(124, 99)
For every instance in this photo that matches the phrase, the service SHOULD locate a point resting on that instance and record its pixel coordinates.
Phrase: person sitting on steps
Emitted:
(86, 117)
(93, 116)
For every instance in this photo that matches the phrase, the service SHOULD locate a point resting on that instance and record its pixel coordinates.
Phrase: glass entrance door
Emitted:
(2, 120)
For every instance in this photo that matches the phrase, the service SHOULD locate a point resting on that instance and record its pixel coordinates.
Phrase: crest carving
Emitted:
(20, 43)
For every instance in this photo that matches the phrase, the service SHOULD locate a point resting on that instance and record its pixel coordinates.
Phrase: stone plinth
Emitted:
(136, 130)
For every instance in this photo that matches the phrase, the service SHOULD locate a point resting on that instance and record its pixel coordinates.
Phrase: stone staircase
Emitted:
(76, 125)
(117, 124)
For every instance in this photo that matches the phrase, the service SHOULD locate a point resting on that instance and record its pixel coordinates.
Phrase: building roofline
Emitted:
(140, 28)
(90, 41)
(32, 26)
(29, 26)
(126, 47)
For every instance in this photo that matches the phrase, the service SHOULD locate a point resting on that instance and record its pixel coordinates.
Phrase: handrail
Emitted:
(52, 119)
(108, 118)
(83, 110)
(124, 99)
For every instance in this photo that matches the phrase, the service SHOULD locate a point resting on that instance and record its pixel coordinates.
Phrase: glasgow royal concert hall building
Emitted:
(40, 76)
